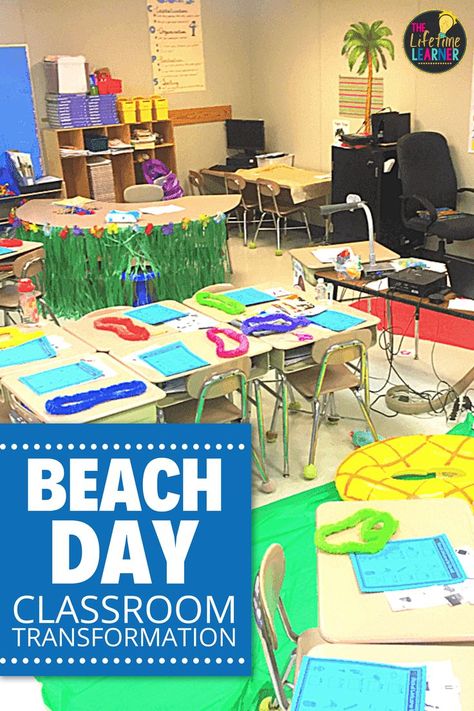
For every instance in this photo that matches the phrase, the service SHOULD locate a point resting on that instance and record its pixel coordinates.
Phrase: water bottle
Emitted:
(27, 301)
(320, 290)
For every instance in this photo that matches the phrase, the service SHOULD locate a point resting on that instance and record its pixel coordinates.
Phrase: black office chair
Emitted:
(429, 182)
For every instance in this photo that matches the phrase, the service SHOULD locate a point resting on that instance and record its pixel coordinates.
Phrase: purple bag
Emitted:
(156, 172)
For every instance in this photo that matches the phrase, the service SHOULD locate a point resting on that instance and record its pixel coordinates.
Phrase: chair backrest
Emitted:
(342, 347)
(29, 265)
(218, 380)
(143, 193)
(267, 193)
(426, 169)
(271, 576)
(196, 182)
(235, 183)
(216, 288)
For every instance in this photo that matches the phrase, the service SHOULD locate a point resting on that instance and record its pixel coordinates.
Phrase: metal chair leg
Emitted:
(46, 307)
(245, 227)
(271, 433)
(262, 217)
(333, 417)
(309, 471)
(260, 422)
(278, 235)
(285, 425)
(365, 411)
(305, 218)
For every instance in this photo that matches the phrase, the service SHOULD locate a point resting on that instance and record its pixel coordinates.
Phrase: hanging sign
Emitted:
(125, 550)
(435, 41)
(177, 55)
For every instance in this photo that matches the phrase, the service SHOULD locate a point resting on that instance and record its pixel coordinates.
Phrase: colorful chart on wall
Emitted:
(18, 129)
(353, 93)
(177, 55)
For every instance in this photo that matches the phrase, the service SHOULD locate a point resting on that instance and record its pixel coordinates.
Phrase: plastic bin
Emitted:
(144, 108)
(96, 142)
(160, 108)
(127, 110)
(275, 159)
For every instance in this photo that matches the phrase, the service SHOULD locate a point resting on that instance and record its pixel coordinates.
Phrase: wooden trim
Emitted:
(203, 114)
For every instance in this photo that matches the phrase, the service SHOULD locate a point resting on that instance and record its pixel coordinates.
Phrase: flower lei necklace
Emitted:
(273, 323)
(69, 404)
(123, 327)
(242, 340)
(221, 302)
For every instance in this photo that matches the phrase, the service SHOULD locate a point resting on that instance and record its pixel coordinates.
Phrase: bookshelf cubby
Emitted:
(125, 166)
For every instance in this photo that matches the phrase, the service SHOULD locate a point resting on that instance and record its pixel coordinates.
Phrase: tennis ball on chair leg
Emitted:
(278, 252)
(266, 704)
(309, 471)
(271, 436)
(252, 245)
(268, 487)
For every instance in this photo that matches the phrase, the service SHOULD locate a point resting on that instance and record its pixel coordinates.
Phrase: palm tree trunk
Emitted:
(368, 98)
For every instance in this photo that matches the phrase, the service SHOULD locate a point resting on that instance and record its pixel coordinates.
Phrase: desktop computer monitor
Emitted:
(245, 135)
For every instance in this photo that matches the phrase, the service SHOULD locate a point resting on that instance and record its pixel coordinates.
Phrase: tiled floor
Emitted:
(251, 266)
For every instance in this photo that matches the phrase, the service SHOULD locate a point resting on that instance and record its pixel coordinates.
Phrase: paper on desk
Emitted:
(326, 255)
(442, 687)
(461, 304)
(406, 262)
(192, 322)
(378, 284)
(164, 210)
(438, 595)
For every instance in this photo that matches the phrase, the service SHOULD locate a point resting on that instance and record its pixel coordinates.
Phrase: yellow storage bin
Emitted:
(144, 108)
(160, 108)
(127, 110)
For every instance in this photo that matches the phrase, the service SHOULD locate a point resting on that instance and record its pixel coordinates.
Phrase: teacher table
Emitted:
(349, 616)
(461, 658)
(29, 406)
(91, 264)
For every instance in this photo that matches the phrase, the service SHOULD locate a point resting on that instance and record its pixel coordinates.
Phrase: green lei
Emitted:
(221, 302)
(377, 529)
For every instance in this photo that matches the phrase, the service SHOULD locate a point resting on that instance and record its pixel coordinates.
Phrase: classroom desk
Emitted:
(348, 616)
(288, 354)
(65, 343)
(105, 341)
(43, 212)
(139, 409)
(313, 269)
(461, 658)
(18, 251)
(92, 265)
(312, 265)
(302, 184)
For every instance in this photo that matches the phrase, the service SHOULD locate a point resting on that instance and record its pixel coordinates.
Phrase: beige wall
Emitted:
(115, 34)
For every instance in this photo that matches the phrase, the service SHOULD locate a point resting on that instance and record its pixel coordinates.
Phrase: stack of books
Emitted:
(79, 110)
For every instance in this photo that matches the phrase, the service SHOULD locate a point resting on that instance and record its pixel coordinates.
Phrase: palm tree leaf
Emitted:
(388, 45)
(354, 55)
(362, 65)
(383, 32)
(375, 25)
(375, 59)
(382, 57)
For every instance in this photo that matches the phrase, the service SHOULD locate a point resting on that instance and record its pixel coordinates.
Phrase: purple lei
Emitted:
(273, 323)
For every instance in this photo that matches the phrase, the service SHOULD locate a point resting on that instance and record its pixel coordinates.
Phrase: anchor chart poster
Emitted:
(176, 44)
(121, 553)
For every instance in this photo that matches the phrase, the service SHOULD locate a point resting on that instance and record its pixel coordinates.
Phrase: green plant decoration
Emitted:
(367, 45)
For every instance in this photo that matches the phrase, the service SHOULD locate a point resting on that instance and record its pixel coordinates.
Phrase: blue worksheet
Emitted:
(37, 349)
(335, 320)
(173, 359)
(154, 314)
(408, 563)
(63, 377)
(6, 250)
(345, 685)
(250, 296)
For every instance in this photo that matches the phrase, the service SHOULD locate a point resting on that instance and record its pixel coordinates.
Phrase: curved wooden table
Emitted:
(42, 212)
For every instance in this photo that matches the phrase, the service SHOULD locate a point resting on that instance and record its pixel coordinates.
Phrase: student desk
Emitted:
(288, 354)
(461, 658)
(312, 266)
(348, 616)
(18, 251)
(30, 407)
(105, 341)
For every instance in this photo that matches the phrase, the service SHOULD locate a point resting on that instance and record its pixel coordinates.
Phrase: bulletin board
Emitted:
(18, 129)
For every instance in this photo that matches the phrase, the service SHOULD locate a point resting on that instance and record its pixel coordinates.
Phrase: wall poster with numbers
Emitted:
(177, 55)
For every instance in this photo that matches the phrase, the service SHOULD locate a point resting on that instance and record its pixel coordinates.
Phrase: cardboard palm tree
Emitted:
(367, 45)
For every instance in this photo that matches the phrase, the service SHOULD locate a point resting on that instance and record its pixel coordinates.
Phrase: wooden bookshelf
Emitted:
(125, 166)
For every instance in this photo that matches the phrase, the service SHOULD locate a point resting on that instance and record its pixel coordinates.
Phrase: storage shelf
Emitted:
(126, 170)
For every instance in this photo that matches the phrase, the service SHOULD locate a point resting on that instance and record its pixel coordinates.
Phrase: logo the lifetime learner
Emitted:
(435, 41)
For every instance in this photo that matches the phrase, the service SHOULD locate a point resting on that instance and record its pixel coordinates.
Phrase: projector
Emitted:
(418, 282)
